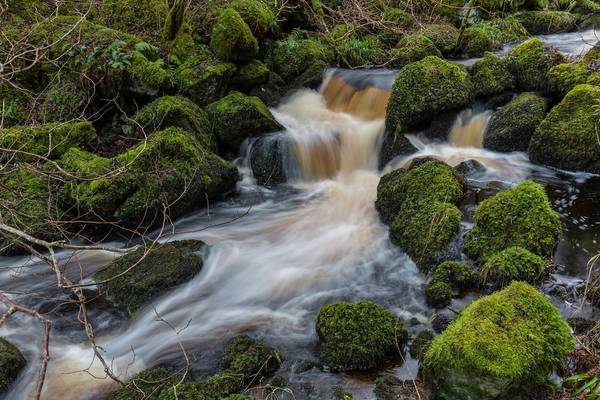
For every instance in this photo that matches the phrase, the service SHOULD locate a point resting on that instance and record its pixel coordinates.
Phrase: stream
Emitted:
(278, 254)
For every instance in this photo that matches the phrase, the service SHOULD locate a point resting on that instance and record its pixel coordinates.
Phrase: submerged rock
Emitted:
(520, 216)
(470, 167)
(507, 342)
(269, 156)
(358, 336)
(530, 62)
(512, 264)
(568, 137)
(512, 126)
(11, 363)
(162, 268)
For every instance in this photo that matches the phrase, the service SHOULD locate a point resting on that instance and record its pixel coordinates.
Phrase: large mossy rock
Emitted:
(512, 264)
(411, 48)
(170, 168)
(501, 345)
(511, 127)
(146, 384)
(490, 76)
(425, 89)
(478, 39)
(520, 216)
(420, 207)
(11, 363)
(295, 56)
(49, 141)
(216, 387)
(444, 36)
(250, 358)
(568, 137)
(154, 272)
(530, 62)
(564, 77)
(358, 336)
(232, 39)
(237, 116)
(258, 15)
(545, 22)
(448, 279)
(176, 111)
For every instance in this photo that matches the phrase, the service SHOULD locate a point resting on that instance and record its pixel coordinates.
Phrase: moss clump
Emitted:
(250, 358)
(134, 16)
(217, 387)
(251, 74)
(295, 55)
(480, 38)
(238, 116)
(358, 336)
(425, 89)
(360, 52)
(11, 363)
(50, 140)
(584, 7)
(438, 294)
(511, 127)
(512, 264)
(164, 267)
(530, 62)
(564, 77)
(147, 384)
(505, 342)
(176, 111)
(14, 106)
(398, 21)
(568, 137)
(232, 39)
(386, 387)
(412, 48)
(490, 76)
(520, 216)
(545, 22)
(62, 101)
(257, 14)
(419, 345)
(203, 79)
(419, 204)
(444, 36)
(449, 278)
(170, 168)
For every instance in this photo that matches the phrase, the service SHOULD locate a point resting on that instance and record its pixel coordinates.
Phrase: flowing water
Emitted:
(277, 255)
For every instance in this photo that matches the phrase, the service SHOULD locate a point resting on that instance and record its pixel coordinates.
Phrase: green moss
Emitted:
(490, 8)
(443, 36)
(11, 363)
(50, 140)
(479, 39)
(564, 77)
(170, 166)
(217, 387)
(568, 137)
(490, 76)
(14, 106)
(258, 15)
(358, 336)
(545, 22)
(508, 341)
(419, 345)
(512, 264)
(509, 28)
(251, 74)
(458, 275)
(412, 48)
(232, 39)
(238, 116)
(584, 7)
(63, 101)
(203, 79)
(438, 294)
(147, 385)
(590, 22)
(294, 55)
(511, 127)
(162, 268)
(174, 20)
(176, 111)
(133, 16)
(397, 22)
(530, 62)
(250, 358)
(386, 387)
(520, 216)
(360, 52)
(425, 89)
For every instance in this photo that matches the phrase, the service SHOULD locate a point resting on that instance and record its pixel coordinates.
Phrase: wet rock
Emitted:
(417, 162)
(420, 344)
(440, 322)
(470, 167)
(272, 91)
(394, 145)
(250, 358)
(11, 363)
(580, 325)
(307, 365)
(163, 267)
(513, 264)
(498, 100)
(358, 336)
(490, 76)
(249, 75)
(530, 62)
(448, 279)
(269, 156)
(457, 365)
(511, 127)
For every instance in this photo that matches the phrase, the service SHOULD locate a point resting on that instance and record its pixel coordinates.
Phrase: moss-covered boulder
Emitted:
(358, 336)
(232, 39)
(420, 207)
(295, 55)
(545, 22)
(511, 127)
(512, 264)
(478, 39)
(154, 272)
(530, 62)
(425, 89)
(411, 48)
(216, 387)
(11, 363)
(176, 111)
(50, 140)
(502, 344)
(146, 385)
(568, 137)
(250, 358)
(490, 76)
(448, 279)
(237, 116)
(133, 16)
(444, 36)
(258, 15)
(398, 22)
(249, 75)
(520, 216)
(564, 77)
(170, 168)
